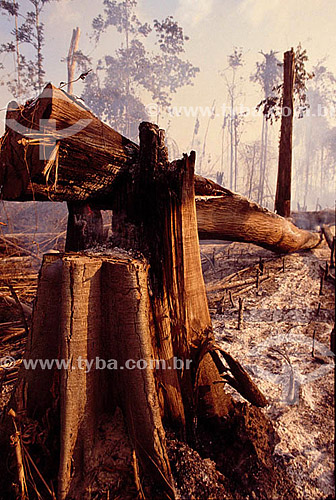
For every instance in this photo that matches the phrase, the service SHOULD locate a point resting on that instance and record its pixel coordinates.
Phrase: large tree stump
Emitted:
(143, 304)
(101, 317)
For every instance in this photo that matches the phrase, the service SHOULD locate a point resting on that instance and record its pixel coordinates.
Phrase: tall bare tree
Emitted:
(71, 59)
(284, 180)
(230, 74)
(274, 107)
(267, 75)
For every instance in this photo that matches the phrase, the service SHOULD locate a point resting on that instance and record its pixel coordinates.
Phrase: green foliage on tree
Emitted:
(272, 104)
(116, 89)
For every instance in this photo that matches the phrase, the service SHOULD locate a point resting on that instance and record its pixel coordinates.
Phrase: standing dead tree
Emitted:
(71, 59)
(283, 191)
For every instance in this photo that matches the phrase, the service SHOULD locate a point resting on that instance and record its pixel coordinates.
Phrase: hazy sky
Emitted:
(214, 27)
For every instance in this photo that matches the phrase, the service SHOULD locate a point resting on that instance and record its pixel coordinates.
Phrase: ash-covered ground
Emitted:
(284, 344)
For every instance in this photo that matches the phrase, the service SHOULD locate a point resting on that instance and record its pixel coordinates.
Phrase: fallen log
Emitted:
(235, 218)
(224, 215)
(56, 149)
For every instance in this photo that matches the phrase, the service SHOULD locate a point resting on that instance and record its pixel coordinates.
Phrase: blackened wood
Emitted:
(154, 212)
(283, 191)
(85, 227)
(239, 378)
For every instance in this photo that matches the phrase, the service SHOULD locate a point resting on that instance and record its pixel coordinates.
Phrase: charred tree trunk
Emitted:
(85, 227)
(157, 215)
(145, 304)
(283, 190)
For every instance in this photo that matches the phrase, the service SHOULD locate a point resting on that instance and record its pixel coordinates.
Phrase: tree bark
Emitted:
(283, 191)
(95, 309)
(224, 215)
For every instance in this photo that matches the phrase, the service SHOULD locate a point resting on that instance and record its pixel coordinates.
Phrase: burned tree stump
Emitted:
(144, 303)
